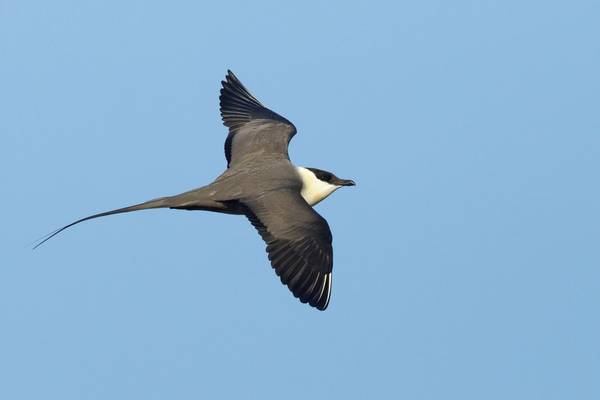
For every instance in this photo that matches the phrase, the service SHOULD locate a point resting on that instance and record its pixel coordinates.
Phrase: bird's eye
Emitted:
(326, 177)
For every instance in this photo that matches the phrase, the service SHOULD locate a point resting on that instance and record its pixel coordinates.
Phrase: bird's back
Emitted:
(256, 176)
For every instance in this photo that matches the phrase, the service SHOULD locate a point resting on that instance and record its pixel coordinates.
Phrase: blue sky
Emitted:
(466, 259)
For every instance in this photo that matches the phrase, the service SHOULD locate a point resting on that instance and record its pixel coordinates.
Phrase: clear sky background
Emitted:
(467, 259)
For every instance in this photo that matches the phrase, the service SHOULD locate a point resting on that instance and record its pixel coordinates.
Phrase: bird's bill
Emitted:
(345, 182)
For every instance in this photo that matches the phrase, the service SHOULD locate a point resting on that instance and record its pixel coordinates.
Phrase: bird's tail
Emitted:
(162, 202)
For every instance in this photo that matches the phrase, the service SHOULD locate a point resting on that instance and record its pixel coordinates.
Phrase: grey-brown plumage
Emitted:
(261, 183)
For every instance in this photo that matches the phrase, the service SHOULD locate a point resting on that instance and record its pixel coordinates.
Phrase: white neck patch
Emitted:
(313, 189)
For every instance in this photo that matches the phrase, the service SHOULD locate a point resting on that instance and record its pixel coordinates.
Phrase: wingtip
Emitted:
(323, 300)
(230, 77)
(231, 82)
(235, 97)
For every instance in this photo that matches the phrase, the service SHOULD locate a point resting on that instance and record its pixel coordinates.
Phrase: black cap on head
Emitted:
(329, 177)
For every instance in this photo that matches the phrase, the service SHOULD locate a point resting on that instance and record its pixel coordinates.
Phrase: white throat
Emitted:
(313, 189)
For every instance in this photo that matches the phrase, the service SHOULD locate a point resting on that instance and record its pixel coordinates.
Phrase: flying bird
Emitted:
(276, 196)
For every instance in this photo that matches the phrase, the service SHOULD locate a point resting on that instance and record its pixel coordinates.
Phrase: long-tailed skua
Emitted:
(261, 183)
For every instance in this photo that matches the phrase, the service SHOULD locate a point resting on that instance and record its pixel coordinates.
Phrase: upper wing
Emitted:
(253, 128)
(298, 243)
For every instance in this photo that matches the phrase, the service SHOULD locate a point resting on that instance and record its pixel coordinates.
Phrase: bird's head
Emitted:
(317, 184)
(330, 178)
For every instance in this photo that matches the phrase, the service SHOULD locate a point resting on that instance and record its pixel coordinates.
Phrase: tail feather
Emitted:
(162, 202)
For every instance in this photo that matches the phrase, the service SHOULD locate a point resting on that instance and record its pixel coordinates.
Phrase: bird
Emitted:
(261, 183)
